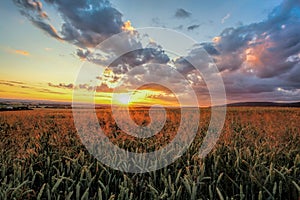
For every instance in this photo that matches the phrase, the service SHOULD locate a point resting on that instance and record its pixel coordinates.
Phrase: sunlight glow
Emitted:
(127, 26)
(122, 99)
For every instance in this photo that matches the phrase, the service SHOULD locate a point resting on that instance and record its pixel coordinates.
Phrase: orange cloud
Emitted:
(258, 48)
(216, 39)
(127, 26)
(21, 52)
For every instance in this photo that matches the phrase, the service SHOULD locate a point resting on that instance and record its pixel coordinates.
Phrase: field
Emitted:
(256, 157)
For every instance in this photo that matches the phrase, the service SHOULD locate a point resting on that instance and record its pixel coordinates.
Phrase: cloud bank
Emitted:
(256, 60)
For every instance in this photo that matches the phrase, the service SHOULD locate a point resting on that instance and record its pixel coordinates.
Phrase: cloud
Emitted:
(256, 59)
(225, 18)
(182, 14)
(138, 58)
(157, 22)
(17, 51)
(127, 26)
(6, 83)
(85, 23)
(209, 48)
(180, 27)
(11, 50)
(193, 27)
(48, 28)
(144, 54)
(293, 92)
(82, 53)
(103, 87)
(21, 52)
(12, 83)
(262, 47)
(45, 90)
(62, 85)
(26, 87)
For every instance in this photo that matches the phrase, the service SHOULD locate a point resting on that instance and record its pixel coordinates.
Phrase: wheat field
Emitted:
(256, 157)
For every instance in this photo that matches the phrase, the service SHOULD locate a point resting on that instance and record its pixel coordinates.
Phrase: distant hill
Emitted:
(264, 104)
(24, 104)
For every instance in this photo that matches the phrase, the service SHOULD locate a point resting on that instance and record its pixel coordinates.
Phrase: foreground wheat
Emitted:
(257, 157)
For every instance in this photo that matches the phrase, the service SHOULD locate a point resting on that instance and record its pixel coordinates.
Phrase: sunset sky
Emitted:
(254, 44)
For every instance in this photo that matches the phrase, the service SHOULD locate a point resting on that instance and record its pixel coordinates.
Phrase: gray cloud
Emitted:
(23, 85)
(62, 85)
(149, 54)
(103, 87)
(140, 57)
(180, 27)
(181, 13)
(71, 86)
(48, 28)
(157, 22)
(45, 90)
(209, 48)
(86, 23)
(82, 53)
(15, 84)
(193, 27)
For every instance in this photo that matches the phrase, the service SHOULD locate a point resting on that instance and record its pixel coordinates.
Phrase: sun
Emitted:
(122, 99)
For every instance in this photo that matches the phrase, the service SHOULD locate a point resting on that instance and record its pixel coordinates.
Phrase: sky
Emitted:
(255, 46)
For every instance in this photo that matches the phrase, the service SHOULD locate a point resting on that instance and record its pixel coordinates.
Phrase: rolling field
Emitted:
(256, 157)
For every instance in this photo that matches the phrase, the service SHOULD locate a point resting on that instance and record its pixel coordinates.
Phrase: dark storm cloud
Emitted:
(181, 13)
